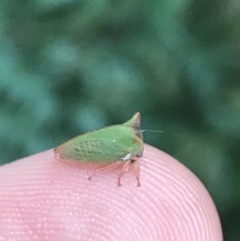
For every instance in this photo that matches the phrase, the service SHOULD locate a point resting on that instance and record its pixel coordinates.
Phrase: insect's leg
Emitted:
(123, 170)
(105, 168)
(136, 169)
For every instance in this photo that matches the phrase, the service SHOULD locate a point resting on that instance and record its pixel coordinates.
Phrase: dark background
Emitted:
(70, 66)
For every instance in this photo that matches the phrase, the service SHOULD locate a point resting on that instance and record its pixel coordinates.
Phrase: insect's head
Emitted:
(135, 123)
(139, 134)
(139, 154)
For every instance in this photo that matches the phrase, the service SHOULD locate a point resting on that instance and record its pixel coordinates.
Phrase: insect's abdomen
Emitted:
(99, 151)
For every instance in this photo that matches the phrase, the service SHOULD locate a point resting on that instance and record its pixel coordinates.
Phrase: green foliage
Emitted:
(71, 66)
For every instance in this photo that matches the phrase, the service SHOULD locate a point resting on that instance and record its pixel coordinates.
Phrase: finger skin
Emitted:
(44, 199)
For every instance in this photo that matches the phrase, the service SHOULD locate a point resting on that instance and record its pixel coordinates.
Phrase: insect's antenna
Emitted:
(151, 131)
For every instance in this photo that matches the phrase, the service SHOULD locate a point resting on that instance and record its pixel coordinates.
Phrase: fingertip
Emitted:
(171, 204)
(183, 195)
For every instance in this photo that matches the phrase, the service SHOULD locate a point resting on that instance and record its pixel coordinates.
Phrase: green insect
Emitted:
(113, 146)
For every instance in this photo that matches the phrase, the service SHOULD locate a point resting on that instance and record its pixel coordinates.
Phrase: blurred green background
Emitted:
(70, 66)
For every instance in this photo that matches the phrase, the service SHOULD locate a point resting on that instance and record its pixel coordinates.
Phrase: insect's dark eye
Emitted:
(139, 154)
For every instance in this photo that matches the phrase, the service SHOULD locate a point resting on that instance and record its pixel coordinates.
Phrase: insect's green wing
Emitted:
(94, 151)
